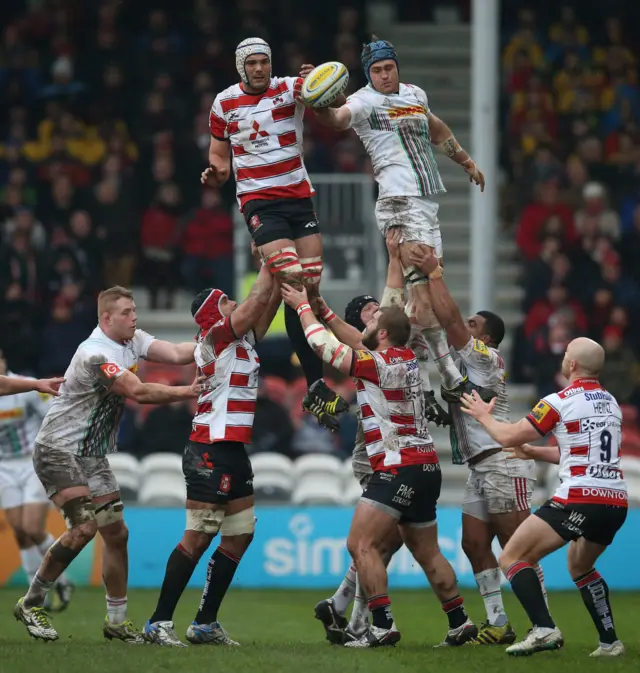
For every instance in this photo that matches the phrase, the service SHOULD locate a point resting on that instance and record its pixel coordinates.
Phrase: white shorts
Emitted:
(19, 484)
(417, 216)
(496, 487)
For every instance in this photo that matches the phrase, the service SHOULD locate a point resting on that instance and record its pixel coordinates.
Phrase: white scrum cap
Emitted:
(248, 47)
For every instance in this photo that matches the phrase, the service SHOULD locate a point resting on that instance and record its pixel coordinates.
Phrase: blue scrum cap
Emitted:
(376, 50)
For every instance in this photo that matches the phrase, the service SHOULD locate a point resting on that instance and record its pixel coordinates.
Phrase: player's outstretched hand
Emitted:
(305, 69)
(475, 407)
(393, 238)
(425, 260)
(199, 385)
(293, 297)
(521, 452)
(214, 177)
(475, 174)
(49, 386)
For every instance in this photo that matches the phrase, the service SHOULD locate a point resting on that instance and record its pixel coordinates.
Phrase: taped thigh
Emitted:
(241, 523)
(109, 512)
(312, 270)
(78, 511)
(413, 276)
(285, 264)
(205, 520)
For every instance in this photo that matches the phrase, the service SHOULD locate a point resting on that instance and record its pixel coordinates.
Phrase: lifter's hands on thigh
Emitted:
(424, 259)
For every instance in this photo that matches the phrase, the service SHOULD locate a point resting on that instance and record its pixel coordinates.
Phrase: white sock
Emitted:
(489, 586)
(43, 548)
(346, 591)
(34, 598)
(31, 560)
(360, 614)
(436, 339)
(116, 610)
(540, 573)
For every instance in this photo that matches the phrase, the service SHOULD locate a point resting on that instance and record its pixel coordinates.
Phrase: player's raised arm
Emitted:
(393, 294)
(130, 386)
(442, 137)
(247, 316)
(14, 386)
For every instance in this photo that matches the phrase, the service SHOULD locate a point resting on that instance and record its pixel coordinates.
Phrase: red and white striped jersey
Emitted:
(587, 422)
(265, 132)
(225, 412)
(392, 407)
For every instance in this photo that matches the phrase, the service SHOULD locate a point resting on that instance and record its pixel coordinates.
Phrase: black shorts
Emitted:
(268, 220)
(217, 473)
(409, 494)
(595, 523)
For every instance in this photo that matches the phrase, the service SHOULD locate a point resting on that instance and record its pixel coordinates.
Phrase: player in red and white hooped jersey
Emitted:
(216, 467)
(404, 488)
(588, 508)
(258, 123)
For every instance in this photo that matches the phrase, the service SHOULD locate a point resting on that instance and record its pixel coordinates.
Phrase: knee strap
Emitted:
(242, 523)
(206, 521)
(413, 276)
(110, 512)
(285, 264)
(78, 511)
(312, 269)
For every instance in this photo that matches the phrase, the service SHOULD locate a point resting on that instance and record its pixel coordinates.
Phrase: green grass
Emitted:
(278, 633)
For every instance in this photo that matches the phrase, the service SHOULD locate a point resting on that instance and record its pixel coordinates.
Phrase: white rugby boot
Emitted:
(375, 636)
(162, 633)
(36, 620)
(209, 634)
(539, 639)
(614, 650)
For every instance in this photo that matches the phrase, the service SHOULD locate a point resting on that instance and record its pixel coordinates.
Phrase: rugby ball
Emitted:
(324, 84)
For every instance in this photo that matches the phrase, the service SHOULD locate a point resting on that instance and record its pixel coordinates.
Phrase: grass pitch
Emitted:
(278, 633)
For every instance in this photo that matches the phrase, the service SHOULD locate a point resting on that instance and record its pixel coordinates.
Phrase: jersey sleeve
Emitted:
(102, 371)
(143, 342)
(217, 121)
(544, 416)
(363, 366)
(295, 86)
(360, 107)
(220, 336)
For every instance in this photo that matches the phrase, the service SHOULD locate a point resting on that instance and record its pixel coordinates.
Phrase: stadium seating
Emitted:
(272, 476)
(314, 488)
(161, 463)
(126, 469)
(631, 471)
(163, 489)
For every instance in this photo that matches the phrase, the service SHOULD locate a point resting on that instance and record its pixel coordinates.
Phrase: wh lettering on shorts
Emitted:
(269, 220)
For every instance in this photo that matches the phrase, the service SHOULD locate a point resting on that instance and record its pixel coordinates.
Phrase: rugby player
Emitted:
(397, 128)
(22, 497)
(216, 466)
(405, 485)
(498, 493)
(70, 457)
(587, 509)
(257, 123)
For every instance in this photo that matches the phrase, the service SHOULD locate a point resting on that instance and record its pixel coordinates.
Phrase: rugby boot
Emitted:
(36, 620)
(375, 636)
(126, 632)
(460, 635)
(433, 412)
(162, 633)
(324, 404)
(614, 650)
(209, 634)
(489, 634)
(453, 395)
(539, 639)
(334, 624)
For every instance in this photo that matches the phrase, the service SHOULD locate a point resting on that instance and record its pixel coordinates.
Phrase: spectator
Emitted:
(607, 221)
(60, 338)
(620, 373)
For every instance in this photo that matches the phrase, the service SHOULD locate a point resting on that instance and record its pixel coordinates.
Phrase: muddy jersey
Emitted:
(587, 422)
(85, 418)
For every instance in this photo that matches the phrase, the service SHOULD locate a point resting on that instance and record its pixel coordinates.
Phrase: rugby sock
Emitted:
(31, 558)
(346, 591)
(222, 568)
(436, 339)
(116, 610)
(595, 594)
(180, 567)
(380, 607)
(38, 591)
(488, 582)
(454, 609)
(360, 613)
(526, 586)
(540, 573)
(43, 548)
(311, 364)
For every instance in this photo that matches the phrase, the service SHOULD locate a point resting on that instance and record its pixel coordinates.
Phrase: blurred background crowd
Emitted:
(104, 133)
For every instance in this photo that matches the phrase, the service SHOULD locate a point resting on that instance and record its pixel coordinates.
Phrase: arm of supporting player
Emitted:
(324, 344)
(14, 386)
(265, 319)
(130, 386)
(338, 119)
(247, 315)
(344, 332)
(545, 454)
(393, 294)
(170, 354)
(443, 304)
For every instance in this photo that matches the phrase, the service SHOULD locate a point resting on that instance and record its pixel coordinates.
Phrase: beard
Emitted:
(371, 341)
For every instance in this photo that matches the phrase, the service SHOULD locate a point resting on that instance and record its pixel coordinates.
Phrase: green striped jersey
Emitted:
(394, 129)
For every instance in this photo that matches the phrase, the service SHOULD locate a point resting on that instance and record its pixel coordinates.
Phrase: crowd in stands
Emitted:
(572, 149)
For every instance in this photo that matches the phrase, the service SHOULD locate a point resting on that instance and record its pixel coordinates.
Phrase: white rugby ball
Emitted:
(324, 84)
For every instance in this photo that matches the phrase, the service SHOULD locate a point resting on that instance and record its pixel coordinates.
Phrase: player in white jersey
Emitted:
(405, 485)
(216, 466)
(498, 493)
(22, 497)
(394, 122)
(70, 457)
(587, 509)
(258, 124)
